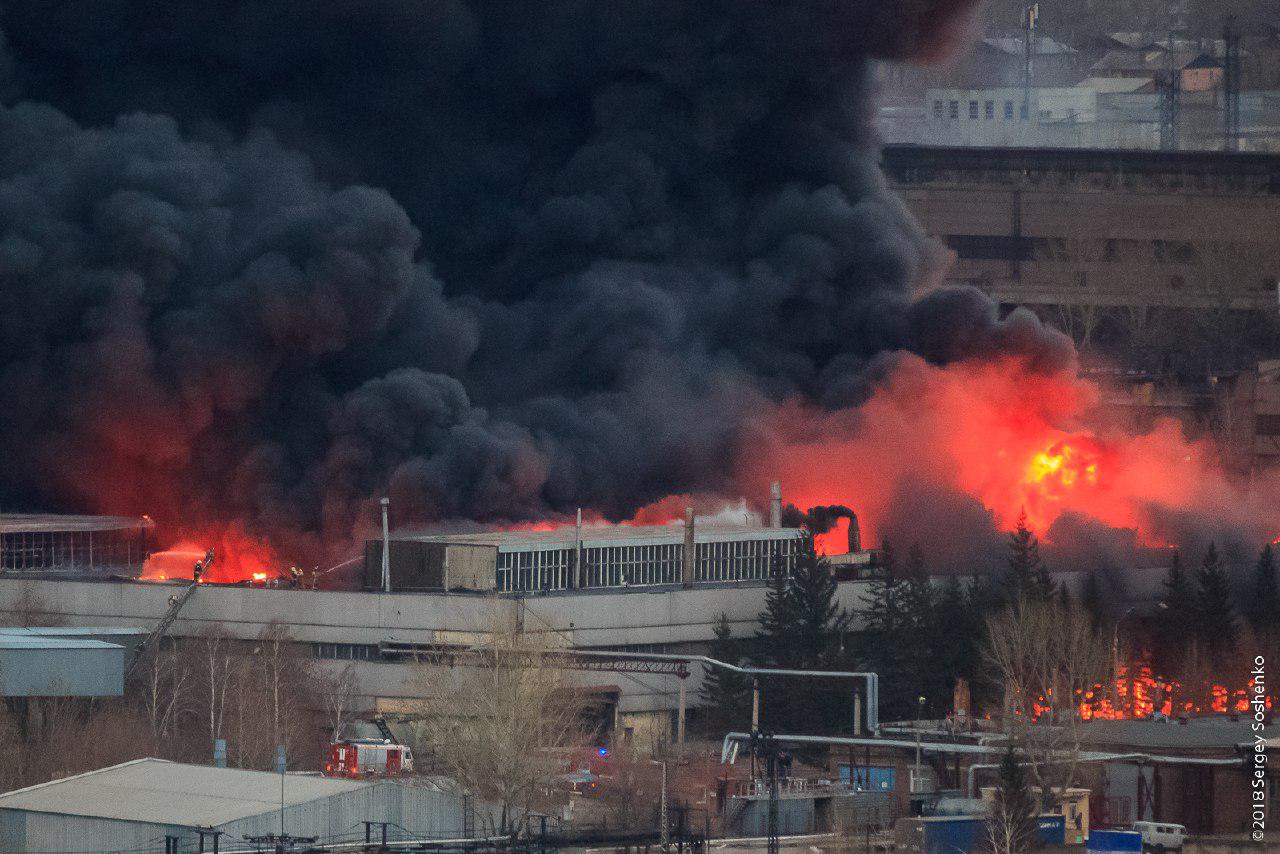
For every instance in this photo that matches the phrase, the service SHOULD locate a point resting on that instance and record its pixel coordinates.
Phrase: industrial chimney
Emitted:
(855, 534)
(775, 505)
(690, 550)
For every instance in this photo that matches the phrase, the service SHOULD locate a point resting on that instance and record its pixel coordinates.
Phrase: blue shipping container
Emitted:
(1114, 840)
(1053, 829)
(951, 835)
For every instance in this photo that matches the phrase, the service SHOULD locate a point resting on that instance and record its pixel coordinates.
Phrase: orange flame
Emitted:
(1007, 437)
(237, 557)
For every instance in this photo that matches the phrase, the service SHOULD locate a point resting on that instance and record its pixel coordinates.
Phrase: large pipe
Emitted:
(690, 550)
(775, 504)
(386, 548)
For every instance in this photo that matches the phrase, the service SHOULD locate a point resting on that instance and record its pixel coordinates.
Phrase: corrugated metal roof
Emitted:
(15, 523)
(611, 535)
(156, 791)
(1208, 733)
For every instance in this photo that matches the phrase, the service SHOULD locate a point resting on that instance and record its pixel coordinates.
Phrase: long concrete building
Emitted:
(637, 600)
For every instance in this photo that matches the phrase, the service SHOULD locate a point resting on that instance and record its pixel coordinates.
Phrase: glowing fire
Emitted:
(1142, 694)
(1002, 438)
(238, 557)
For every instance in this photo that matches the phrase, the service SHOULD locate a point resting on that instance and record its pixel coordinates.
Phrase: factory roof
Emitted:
(596, 536)
(17, 523)
(1216, 733)
(1041, 46)
(156, 791)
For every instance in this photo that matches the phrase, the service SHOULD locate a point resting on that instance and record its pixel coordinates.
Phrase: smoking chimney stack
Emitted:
(855, 534)
(775, 505)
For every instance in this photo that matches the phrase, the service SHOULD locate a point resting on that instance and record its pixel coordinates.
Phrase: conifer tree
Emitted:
(1027, 577)
(1176, 621)
(779, 617)
(1264, 603)
(1093, 602)
(1012, 827)
(886, 621)
(726, 695)
(801, 628)
(1216, 617)
(819, 620)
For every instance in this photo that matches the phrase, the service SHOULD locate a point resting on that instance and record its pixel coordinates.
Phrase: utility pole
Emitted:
(1030, 15)
(664, 830)
(1230, 87)
(1170, 102)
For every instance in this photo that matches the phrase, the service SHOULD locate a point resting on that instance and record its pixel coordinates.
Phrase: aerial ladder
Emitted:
(148, 646)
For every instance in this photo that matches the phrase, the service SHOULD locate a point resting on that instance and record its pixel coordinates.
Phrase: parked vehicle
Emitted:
(1159, 836)
(368, 759)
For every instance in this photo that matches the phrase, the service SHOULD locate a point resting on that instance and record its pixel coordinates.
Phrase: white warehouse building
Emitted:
(154, 805)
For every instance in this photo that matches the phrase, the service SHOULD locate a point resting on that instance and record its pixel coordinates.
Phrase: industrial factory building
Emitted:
(44, 543)
(616, 556)
(153, 805)
(1078, 231)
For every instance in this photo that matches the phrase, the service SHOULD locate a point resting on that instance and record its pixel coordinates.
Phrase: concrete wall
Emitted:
(666, 618)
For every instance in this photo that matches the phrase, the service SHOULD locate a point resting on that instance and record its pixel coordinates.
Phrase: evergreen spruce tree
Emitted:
(819, 620)
(1264, 604)
(922, 635)
(1176, 621)
(726, 695)
(957, 629)
(1027, 577)
(1012, 828)
(778, 619)
(886, 621)
(801, 628)
(1216, 618)
(1093, 602)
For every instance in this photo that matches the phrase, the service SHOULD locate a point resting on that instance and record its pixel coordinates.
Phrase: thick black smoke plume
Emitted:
(265, 260)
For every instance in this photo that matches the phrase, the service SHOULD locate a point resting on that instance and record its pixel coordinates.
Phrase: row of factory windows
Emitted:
(626, 566)
(988, 109)
(346, 651)
(78, 550)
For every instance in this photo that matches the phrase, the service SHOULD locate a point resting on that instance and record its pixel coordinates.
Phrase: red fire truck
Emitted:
(368, 759)
(366, 755)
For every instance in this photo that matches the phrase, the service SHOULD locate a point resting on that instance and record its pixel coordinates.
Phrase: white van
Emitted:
(1158, 837)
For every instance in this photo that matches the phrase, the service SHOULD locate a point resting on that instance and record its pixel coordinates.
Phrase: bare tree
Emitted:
(338, 695)
(215, 669)
(165, 684)
(503, 730)
(279, 679)
(1047, 657)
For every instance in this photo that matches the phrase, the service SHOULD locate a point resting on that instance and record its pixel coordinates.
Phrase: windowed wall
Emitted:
(345, 651)
(633, 565)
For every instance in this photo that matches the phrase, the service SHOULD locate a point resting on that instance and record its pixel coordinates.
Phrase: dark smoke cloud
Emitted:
(263, 261)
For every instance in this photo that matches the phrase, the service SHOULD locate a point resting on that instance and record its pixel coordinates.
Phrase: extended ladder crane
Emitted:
(175, 605)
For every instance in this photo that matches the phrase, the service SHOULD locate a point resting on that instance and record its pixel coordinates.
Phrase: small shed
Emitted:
(153, 804)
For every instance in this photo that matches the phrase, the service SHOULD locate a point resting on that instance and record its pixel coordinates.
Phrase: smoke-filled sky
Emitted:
(265, 261)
